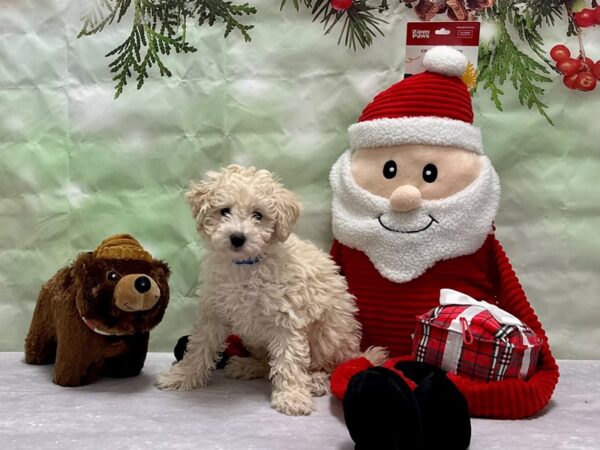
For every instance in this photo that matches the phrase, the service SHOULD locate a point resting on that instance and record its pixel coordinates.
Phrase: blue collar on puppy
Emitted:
(248, 261)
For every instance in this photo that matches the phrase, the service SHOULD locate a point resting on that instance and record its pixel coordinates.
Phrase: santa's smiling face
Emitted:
(410, 206)
(408, 174)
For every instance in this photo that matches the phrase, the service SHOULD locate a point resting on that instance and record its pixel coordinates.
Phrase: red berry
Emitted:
(585, 18)
(585, 82)
(596, 70)
(597, 15)
(588, 62)
(569, 81)
(341, 5)
(568, 66)
(559, 52)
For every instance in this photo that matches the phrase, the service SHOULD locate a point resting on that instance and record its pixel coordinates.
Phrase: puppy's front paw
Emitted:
(178, 380)
(319, 383)
(293, 403)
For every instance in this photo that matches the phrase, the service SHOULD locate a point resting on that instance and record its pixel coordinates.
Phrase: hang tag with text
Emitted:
(421, 36)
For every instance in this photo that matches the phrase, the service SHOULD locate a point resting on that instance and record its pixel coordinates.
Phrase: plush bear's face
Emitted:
(121, 296)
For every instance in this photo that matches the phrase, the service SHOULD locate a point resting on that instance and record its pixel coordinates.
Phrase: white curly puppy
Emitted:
(281, 295)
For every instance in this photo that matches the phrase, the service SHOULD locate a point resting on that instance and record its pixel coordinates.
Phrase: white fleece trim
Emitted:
(415, 130)
(464, 221)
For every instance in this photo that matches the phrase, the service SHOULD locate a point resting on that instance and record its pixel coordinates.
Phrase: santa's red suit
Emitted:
(387, 312)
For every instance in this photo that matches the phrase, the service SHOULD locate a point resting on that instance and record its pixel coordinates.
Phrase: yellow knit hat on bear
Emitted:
(122, 246)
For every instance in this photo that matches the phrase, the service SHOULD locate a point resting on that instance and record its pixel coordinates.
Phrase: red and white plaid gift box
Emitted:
(475, 339)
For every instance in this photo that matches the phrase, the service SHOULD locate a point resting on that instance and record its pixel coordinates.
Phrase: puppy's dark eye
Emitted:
(390, 169)
(111, 275)
(256, 215)
(225, 212)
(430, 173)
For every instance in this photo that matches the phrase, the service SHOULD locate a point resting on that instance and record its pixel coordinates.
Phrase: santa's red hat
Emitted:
(431, 108)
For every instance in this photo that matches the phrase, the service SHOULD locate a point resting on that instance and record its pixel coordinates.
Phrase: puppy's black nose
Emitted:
(142, 284)
(237, 240)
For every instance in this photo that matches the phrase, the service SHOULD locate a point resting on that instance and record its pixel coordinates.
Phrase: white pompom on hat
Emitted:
(445, 61)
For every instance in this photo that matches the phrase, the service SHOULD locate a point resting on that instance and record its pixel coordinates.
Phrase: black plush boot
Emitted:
(444, 413)
(445, 417)
(181, 347)
(381, 411)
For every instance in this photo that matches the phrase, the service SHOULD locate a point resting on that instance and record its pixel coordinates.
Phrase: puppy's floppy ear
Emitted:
(287, 210)
(197, 197)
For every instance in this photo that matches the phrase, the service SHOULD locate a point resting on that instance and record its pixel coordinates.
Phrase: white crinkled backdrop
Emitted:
(77, 166)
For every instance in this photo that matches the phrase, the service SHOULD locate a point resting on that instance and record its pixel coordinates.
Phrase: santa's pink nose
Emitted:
(405, 198)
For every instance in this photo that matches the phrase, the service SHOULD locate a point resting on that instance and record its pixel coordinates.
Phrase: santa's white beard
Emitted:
(402, 246)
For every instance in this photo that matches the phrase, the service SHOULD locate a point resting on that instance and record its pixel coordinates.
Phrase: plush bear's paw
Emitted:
(69, 380)
(38, 358)
(74, 377)
(293, 403)
(246, 368)
(319, 383)
(178, 379)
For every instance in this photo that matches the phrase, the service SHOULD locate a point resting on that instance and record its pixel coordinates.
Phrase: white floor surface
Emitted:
(131, 413)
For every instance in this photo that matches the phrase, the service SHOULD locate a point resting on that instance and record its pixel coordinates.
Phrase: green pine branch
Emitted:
(500, 59)
(528, 23)
(159, 26)
(359, 24)
(97, 18)
(210, 10)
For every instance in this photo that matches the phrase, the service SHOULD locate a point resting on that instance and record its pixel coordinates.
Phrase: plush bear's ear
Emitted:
(80, 267)
(198, 198)
(287, 210)
(164, 267)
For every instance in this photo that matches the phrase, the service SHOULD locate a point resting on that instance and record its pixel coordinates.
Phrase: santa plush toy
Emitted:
(414, 201)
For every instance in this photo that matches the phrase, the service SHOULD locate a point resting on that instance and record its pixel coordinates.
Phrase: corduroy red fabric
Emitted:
(423, 95)
(388, 311)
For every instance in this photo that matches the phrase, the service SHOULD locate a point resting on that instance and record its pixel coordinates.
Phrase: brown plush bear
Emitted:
(93, 317)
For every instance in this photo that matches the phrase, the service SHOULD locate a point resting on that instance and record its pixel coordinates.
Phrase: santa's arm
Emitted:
(344, 372)
(512, 398)
(336, 252)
